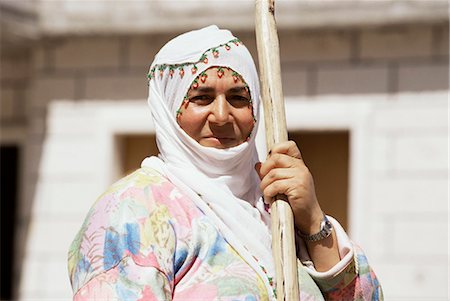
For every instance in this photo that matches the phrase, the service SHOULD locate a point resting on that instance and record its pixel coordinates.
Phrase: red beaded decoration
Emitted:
(195, 84)
(203, 76)
(204, 58)
(220, 72)
(215, 52)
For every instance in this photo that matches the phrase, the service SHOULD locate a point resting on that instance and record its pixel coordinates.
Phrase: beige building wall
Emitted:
(403, 179)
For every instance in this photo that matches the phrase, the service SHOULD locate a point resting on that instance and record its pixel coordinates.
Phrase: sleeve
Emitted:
(127, 281)
(124, 250)
(351, 278)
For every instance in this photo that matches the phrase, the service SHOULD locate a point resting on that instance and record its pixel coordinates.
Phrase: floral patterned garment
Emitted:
(144, 240)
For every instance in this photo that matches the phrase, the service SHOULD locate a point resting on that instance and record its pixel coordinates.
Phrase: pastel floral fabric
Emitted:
(144, 240)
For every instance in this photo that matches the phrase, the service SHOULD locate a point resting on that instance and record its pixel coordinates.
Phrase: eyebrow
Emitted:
(203, 89)
(206, 89)
(238, 89)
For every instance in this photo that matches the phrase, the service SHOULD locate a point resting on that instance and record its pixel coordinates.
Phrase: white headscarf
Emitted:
(221, 182)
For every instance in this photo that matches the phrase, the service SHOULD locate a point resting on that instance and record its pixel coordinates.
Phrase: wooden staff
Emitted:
(283, 235)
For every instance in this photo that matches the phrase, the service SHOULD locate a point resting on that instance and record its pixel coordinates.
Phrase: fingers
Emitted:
(276, 174)
(289, 148)
(281, 186)
(278, 160)
(274, 182)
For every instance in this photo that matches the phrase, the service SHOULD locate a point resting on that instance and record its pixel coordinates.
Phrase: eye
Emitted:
(238, 101)
(201, 100)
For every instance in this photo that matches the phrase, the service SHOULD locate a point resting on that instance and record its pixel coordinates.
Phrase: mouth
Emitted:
(220, 140)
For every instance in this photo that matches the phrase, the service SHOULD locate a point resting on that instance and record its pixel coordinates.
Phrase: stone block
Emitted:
(313, 46)
(46, 278)
(15, 67)
(142, 49)
(380, 153)
(124, 87)
(424, 112)
(31, 278)
(380, 229)
(415, 235)
(413, 280)
(405, 196)
(87, 53)
(352, 80)
(392, 42)
(441, 40)
(421, 153)
(70, 156)
(7, 103)
(58, 284)
(71, 118)
(39, 57)
(70, 198)
(46, 89)
(51, 236)
(423, 77)
(295, 82)
(37, 126)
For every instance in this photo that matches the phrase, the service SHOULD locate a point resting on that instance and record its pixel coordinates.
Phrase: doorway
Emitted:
(9, 163)
(326, 153)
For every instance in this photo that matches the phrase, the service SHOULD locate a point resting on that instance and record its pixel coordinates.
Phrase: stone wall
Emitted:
(408, 196)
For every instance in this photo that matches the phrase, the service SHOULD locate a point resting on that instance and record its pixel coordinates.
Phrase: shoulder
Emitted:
(141, 197)
(137, 214)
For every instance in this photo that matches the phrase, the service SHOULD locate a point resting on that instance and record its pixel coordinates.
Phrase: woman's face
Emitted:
(217, 112)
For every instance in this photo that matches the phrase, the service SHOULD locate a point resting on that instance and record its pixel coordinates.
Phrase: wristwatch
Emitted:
(325, 230)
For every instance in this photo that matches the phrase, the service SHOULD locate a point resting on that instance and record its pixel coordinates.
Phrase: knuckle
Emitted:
(272, 174)
(268, 191)
(277, 187)
(277, 158)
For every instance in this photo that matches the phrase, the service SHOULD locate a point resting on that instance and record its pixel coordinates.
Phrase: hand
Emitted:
(284, 172)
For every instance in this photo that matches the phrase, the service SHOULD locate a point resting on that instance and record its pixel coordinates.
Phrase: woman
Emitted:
(191, 224)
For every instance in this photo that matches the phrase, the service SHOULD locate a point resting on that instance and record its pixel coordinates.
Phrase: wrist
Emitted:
(324, 231)
(311, 224)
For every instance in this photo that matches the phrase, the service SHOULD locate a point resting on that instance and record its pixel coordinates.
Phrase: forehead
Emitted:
(218, 78)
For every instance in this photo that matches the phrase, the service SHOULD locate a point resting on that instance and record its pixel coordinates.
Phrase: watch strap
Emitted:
(326, 228)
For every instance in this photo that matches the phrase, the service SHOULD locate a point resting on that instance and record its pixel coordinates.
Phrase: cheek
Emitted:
(192, 121)
(246, 122)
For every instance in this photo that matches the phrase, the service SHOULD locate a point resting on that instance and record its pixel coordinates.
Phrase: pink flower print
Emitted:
(147, 295)
(180, 207)
(146, 260)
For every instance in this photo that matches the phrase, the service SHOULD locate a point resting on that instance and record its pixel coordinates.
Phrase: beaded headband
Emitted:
(180, 67)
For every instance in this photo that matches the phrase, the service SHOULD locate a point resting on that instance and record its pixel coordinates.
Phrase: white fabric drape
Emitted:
(221, 182)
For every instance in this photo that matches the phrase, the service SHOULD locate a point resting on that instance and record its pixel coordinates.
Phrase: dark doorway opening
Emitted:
(326, 153)
(9, 165)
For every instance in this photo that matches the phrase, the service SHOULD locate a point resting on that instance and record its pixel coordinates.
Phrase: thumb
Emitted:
(258, 169)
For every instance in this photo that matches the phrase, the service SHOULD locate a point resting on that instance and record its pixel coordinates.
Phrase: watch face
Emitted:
(328, 225)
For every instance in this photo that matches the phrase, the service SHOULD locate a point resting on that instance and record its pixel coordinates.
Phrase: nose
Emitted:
(220, 111)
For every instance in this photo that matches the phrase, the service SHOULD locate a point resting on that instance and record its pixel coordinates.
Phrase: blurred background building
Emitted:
(366, 85)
